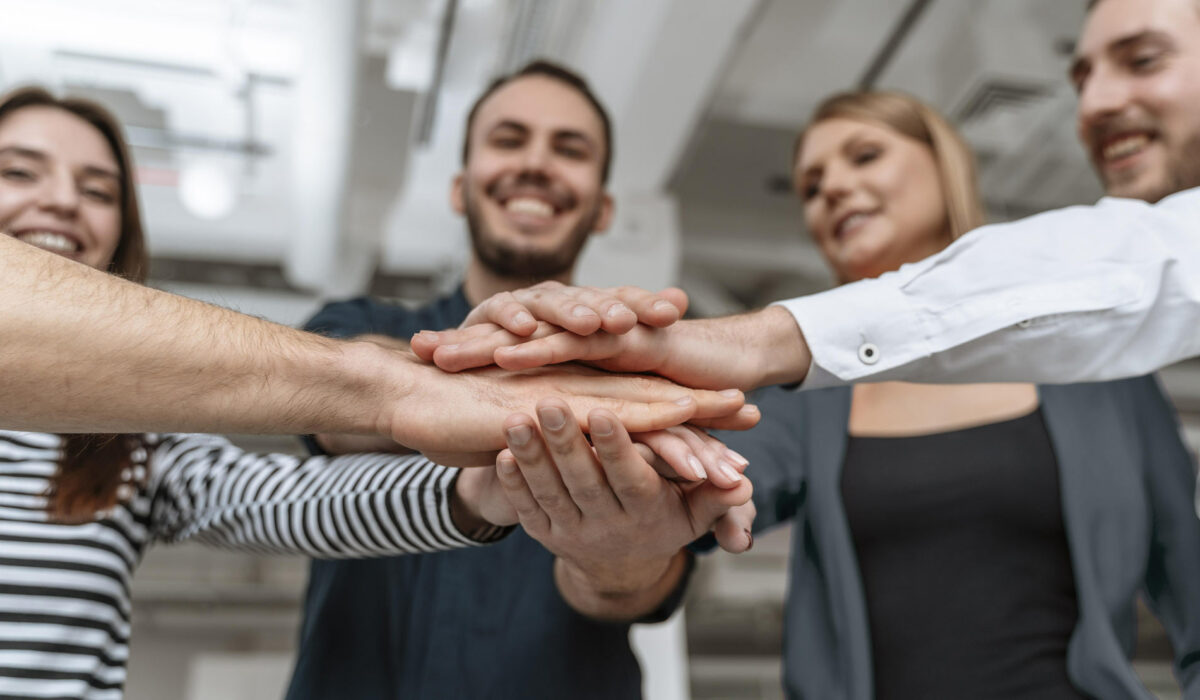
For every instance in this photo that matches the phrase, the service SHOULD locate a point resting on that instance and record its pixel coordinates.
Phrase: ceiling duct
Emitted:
(542, 29)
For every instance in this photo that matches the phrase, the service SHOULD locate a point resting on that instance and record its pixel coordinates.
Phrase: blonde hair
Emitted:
(913, 118)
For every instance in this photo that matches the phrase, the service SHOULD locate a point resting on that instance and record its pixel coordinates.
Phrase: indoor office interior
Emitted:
(291, 152)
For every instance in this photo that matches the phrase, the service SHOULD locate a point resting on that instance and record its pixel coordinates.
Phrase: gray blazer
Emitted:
(1128, 486)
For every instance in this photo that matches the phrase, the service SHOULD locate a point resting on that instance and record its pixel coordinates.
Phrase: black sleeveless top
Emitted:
(964, 562)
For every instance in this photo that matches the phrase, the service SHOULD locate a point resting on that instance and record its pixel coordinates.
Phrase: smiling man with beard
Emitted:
(486, 622)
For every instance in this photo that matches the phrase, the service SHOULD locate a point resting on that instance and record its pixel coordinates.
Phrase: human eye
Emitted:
(16, 173)
(866, 154)
(99, 195)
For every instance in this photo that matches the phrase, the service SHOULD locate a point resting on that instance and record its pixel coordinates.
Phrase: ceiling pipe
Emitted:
(891, 46)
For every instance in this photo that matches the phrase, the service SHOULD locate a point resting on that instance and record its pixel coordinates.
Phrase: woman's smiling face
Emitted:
(60, 185)
(872, 197)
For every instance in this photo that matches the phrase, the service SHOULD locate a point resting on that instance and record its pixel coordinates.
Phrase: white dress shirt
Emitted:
(1079, 294)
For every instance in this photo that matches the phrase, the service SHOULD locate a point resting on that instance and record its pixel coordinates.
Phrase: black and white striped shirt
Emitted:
(65, 589)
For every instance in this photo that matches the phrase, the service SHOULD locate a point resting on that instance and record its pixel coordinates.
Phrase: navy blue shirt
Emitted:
(472, 623)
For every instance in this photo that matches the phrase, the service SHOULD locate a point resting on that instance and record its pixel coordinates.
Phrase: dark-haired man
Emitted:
(482, 622)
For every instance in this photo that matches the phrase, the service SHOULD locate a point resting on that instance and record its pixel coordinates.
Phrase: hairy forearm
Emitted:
(82, 351)
(620, 601)
(746, 351)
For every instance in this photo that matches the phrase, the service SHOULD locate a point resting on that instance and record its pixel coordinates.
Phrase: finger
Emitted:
(632, 480)
(707, 502)
(425, 343)
(746, 417)
(540, 473)
(529, 512)
(678, 297)
(640, 417)
(614, 315)
(476, 348)
(473, 352)
(556, 349)
(652, 309)
(577, 466)
(663, 469)
(722, 469)
(679, 456)
(734, 529)
(504, 310)
(562, 306)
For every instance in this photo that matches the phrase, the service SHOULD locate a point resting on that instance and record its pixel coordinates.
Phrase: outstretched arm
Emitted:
(1079, 294)
(83, 351)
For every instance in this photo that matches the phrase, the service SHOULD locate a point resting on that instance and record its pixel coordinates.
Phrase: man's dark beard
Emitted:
(536, 265)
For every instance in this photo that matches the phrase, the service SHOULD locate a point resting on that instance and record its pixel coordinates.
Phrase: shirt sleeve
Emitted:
(1078, 294)
(360, 505)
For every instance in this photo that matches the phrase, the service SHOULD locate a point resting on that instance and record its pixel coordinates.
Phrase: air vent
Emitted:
(993, 95)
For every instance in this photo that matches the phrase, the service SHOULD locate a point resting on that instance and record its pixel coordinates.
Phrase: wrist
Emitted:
(607, 599)
(780, 354)
(464, 504)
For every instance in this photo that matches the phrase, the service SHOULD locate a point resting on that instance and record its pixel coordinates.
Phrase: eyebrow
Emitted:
(1080, 63)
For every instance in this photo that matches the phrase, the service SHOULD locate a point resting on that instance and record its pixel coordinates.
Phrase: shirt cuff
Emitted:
(444, 486)
(857, 331)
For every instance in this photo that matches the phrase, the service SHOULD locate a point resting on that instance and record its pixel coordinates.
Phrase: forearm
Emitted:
(1083, 294)
(620, 600)
(349, 506)
(746, 351)
(85, 351)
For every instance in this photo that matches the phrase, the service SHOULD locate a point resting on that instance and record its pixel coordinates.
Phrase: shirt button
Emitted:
(868, 354)
(1025, 324)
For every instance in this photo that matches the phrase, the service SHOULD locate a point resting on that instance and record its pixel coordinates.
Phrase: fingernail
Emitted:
(684, 401)
(740, 460)
(523, 318)
(731, 393)
(697, 467)
(429, 336)
(616, 310)
(730, 472)
(519, 435)
(450, 347)
(581, 311)
(749, 540)
(601, 426)
(507, 465)
(552, 417)
(664, 305)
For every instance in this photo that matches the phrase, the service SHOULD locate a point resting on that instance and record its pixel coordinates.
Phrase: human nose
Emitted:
(59, 194)
(536, 156)
(1102, 96)
(838, 182)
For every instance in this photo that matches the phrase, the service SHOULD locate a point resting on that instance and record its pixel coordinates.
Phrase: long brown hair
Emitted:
(91, 467)
(913, 118)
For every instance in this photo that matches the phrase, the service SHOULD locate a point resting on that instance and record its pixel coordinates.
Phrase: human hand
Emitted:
(613, 521)
(581, 310)
(462, 415)
(745, 351)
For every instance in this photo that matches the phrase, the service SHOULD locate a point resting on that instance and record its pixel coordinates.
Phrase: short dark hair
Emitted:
(554, 71)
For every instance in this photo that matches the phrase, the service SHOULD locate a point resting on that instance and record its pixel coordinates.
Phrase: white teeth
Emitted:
(529, 205)
(54, 242)
(853, 220)
(1124, 147)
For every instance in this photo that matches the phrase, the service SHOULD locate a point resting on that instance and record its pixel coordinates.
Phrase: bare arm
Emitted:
(84, 351)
